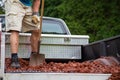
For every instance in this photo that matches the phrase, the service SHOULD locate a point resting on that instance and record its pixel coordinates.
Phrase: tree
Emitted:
(97, 18)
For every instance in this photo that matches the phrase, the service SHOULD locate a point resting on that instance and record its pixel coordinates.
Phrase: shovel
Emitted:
(37, 59)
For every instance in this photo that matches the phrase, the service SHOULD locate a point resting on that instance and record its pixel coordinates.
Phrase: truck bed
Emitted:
(88, 70)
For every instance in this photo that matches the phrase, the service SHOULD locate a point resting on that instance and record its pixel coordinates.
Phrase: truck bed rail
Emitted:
(105, 47)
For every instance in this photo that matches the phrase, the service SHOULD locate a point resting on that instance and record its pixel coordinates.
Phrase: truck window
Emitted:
(52, 27)
(2, 21)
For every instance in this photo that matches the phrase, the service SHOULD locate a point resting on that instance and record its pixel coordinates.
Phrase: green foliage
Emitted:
(51, 8)
(97, 18)
(1, 11)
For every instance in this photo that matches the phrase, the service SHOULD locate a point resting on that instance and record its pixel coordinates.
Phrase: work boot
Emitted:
(15, 63)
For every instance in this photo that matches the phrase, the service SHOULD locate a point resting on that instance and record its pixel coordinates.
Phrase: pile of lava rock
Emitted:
(100, 65)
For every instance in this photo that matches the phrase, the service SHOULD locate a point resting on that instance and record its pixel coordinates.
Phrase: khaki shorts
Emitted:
(18, 17)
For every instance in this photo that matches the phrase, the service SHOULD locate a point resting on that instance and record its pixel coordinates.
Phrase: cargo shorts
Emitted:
(19, 17)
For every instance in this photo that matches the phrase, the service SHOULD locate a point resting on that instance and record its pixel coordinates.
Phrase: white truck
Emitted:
(57, 43)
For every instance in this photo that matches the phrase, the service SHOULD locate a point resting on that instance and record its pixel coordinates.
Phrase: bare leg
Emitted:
(34, 40)
(14, 42)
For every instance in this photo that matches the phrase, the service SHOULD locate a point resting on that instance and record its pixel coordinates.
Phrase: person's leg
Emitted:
(14, 43)
(14, 16)
(34, 41)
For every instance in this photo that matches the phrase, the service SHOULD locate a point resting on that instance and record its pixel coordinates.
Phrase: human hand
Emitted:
(35, 19)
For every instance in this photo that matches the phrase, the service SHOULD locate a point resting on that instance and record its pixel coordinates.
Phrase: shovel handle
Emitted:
(40, 29)
(42, 11)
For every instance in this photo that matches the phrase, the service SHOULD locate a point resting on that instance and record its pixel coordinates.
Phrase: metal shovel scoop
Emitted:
(37, 59)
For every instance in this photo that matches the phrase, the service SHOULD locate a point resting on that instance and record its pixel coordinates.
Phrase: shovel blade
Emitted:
(36, 59)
